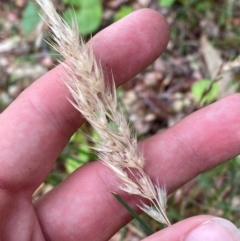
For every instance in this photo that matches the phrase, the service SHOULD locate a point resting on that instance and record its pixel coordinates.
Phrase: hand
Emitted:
(36, 127)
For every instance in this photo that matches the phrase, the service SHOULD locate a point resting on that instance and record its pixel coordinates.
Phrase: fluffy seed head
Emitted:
(117, 147)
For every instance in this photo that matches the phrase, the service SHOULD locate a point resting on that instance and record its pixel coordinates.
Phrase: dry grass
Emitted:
(97, 102)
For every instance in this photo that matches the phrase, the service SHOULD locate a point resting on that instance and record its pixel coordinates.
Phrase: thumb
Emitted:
(200, 228)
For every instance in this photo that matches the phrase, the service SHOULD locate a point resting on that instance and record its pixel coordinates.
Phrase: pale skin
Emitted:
(36, 127)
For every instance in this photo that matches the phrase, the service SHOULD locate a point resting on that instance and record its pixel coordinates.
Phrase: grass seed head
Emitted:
(117, 147)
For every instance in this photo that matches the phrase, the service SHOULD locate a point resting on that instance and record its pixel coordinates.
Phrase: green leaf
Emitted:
(82, 157)
(30, 18)
(200, 87)
(54, 178)
(203, 6)
(72, 164)
(122, 12)
(81, 3)
(72, 2)
(166, 3)
(88, 15)
(133, 213)
(89, 3)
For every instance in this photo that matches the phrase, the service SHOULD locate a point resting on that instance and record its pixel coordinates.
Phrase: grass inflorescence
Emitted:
(97, 102)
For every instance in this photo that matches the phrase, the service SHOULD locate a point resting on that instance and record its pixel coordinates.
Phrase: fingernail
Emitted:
(216, 229)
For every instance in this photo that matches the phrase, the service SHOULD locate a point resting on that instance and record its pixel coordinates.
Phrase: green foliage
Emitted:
(227, 13)
(222, 189)
(54, 178)
(30, 18)
(215, 192)
(203, 6)
(122, 12)
(74, 162)
(206, 91)
(166, 3)
(77, 155)
(88, 14)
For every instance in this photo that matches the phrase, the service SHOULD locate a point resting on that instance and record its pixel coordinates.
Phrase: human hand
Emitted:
(37, 126)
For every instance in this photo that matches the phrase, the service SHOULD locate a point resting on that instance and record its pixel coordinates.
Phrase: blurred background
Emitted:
(201, 65)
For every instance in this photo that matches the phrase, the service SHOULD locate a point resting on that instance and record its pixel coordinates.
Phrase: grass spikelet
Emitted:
(117, 147)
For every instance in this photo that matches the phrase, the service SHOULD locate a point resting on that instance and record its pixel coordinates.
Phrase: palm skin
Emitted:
(37, 126)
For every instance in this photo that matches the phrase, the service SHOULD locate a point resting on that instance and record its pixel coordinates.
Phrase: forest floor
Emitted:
(200, 65)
